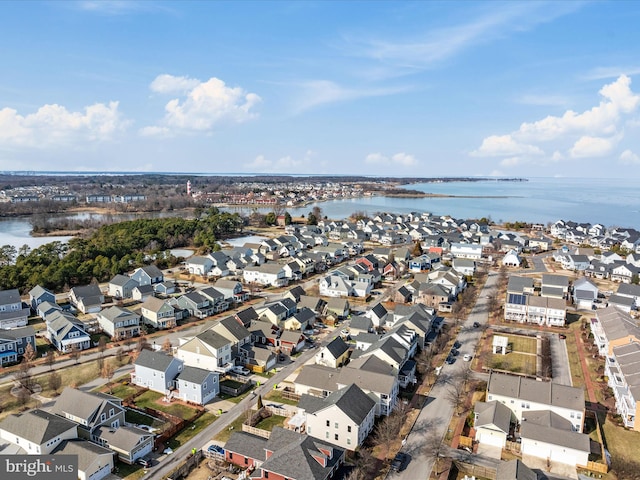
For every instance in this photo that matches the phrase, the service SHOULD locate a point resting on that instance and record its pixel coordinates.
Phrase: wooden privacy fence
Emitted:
(476, 470)
(465, 441)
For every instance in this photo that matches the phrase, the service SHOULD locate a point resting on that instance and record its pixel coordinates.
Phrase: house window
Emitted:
(204, 385)
(328, 423)
(111, 412)
(348, 441)
(309, 430)
(336, 437)
(103, 417)
(326, 434)
(336, 425)
(266, 474)
(349, 428)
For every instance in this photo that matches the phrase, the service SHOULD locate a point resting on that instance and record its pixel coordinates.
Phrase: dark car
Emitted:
(451, 359)
(476, 324)
(216, 449)
(457, 344)
(454, 352)
(398, 462)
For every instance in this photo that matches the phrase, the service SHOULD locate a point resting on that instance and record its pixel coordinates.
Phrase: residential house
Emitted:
(209, 350)
(45, 309)
(612, 327)
(197, 385)
(216, 298)
(121, 286)
(334, 354)
(245, 450)
(158, 313)
(492, 423)
(466, 250)
(303, 319)
(246, 316)
(555, 286)
(94, 462)
(524, 395)
(268, 274)
(37, 432)
(585, 293)
(378, 314)
(197, 265)
(515, 470)
(87, 299)
(520, 285)
(13, 313)
(233, 330)
(156, 370)
(164, 288)
(13, 344)
(258, 359)
(338, 308)
(129, 443)
(464, 266)
(196, 304)
(291, 341)
(344, 418)
(622, 368)
(432, 295)
(290, 455)
(336, 286)
(624, 273)
(142, 292)
(533, 309)
(575, 263)
(630, 290)
(38, 295)
(511, 259)
(148, 275)
(66, 333)
(549, 436)
(119, 323)
(316, 304)
(232, 291)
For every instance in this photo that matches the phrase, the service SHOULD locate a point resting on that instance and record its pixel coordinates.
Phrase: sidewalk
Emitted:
(585, 368)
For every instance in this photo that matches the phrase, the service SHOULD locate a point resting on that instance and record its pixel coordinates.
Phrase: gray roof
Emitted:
(246, 445)
(617, 324)
(628, 358)
(86, 291)
(9, 296)
(379, 310)
(38, 291)
(122, 438)
(81, 404)
(555, 280)
(214, 339)
(629, 289)
(360, 322)
(293, 456)
(621, 300)
(351, 400)
(18, 333)
(154, 360)
(547, 418)
(555, 436)
(152, 271)
(519, 284)
(493, 413)
(113, 313)
(337, 347)
(231, 329)
(121, 280)
(85, 450)
(514, 470)
(194, 375)
(37, 426)
(546, 393)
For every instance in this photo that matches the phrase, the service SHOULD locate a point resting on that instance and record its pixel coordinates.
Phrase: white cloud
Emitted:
(401, 158)
(589, 147)
(54, 125)
(629, 158)
(203, 105)
(121, 7)
(286, 164)
(166, 83)
(602, 73)
(504, 145)
(595, 132)
(321, 92)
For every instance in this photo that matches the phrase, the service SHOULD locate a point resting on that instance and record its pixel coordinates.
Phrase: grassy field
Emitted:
(235, 426)
(622, 444)
(514, 362)
(121, 390)
(276, 396)
(189, 432)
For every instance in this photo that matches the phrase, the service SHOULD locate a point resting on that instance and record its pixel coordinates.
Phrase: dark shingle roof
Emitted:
(194, 375)
(247, 445)
(337, 347)
(155, 360)
(37, 426)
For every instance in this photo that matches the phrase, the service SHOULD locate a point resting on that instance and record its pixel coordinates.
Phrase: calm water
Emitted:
(612, 202)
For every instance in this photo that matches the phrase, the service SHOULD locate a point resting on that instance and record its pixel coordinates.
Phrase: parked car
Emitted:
(451, 359)
(215, 449)
(457, 344)
(476, 324)
(144, 462)
(454, 352)
(562, 336)
(240, 370)
(398, 462)
(467, 358)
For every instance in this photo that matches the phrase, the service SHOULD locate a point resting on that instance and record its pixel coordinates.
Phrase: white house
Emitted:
(466, 250)
(267, 274)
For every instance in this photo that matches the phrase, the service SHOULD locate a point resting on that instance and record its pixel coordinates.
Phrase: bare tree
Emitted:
(75, 354)
(166, 346)
(102, 344)
(456, 396)
(100, 363)
(385, 433)
(434, 448)
(55, 381)
(107, 372)
(29, 354)
(50, 358)
(120, 355)
(23, 376)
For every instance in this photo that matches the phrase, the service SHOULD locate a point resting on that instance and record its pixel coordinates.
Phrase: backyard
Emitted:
(521, 356)
(154, 400)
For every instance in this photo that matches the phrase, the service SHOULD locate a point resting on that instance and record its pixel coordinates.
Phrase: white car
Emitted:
(240, 370)
(344, 332)
(467, 358)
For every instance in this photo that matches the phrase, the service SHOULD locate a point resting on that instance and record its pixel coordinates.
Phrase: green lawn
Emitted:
(270, 422)
(622, 443)
(154, 400)
(235, 426)
(523, 344)
(133, 416)
(121, 390)
(192, 430)
(276, 396)
(514, 362)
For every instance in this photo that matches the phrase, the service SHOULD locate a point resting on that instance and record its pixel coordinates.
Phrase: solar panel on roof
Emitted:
(517, 299)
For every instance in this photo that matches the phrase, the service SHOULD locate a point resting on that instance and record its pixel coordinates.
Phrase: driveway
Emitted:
(560, 361)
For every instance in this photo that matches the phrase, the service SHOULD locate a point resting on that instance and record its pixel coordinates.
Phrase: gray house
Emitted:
(87, 299)
(197, 385)
(121, 286)
(67, 333)
(156, 371)
(13, 313)
(38, 295)
(148, 275)
(14, 342)
(119, 323)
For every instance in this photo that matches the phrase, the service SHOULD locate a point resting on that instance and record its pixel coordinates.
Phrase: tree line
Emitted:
(113, 249)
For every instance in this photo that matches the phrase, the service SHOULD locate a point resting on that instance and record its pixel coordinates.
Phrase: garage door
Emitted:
(494, 439)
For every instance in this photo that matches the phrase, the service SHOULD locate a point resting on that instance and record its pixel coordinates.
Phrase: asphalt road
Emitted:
(434, 419)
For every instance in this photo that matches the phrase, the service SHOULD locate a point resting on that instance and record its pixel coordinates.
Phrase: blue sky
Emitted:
(327, 87)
